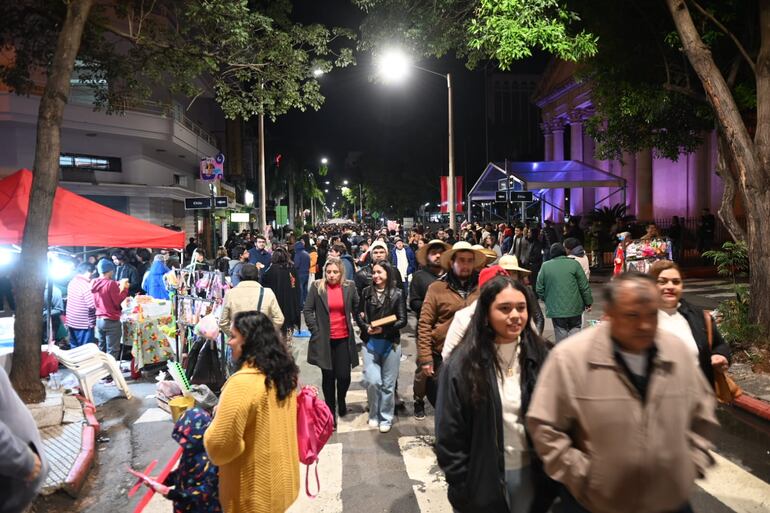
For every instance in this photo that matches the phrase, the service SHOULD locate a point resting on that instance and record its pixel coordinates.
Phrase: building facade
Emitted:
(143, 162)
(656, 188)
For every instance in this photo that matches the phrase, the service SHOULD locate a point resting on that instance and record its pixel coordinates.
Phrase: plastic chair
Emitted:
(91, 365)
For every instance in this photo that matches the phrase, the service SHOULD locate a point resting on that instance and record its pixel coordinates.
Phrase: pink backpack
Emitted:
(315, 425)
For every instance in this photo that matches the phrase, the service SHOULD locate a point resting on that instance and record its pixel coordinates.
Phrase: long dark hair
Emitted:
(391, 280)
(264, 349)
(478, 352)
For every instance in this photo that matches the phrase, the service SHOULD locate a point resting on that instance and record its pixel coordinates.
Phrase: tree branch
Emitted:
(724, 29)
(739, 142)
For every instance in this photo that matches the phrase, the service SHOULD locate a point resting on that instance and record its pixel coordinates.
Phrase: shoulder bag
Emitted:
(726, 389)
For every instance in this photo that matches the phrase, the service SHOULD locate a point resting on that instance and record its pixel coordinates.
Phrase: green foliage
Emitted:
(732, 260)
(734, 321)
(607, 215)
(249, 56)
(508, 30)
(504, 30)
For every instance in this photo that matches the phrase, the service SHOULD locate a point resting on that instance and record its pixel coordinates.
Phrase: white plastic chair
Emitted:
(91, 365)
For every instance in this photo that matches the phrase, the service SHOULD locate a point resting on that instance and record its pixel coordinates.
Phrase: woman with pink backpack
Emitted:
(253, 437)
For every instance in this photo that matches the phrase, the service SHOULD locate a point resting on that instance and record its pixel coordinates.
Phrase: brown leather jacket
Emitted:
(441, 302)
(612, 450)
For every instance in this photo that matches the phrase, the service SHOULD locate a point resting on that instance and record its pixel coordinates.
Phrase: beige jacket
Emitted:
(612, 451)
(245, 297)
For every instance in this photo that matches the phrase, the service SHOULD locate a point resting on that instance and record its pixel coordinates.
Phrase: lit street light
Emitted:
(394, 67)
(318, 72)
(344, 182)
(327, 182)
(324, 161)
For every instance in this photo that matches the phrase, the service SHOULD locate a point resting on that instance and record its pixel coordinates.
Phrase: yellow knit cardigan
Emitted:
(253, 440)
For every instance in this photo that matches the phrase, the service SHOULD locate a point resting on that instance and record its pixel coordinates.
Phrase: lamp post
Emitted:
(394, 66)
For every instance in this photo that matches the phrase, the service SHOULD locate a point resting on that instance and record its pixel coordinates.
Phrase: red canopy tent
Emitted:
(77, 221)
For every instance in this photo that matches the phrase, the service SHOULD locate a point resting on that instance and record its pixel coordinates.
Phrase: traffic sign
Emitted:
(525, 196)
(197, 203)
(203, 203)
(501, 196)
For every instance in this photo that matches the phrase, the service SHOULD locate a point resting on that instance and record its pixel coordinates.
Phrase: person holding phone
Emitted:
(381, 301)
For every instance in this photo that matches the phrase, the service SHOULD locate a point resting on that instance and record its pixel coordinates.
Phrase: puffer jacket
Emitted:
(563, 286)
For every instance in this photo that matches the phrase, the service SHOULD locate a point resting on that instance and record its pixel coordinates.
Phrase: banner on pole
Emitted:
(445, 194)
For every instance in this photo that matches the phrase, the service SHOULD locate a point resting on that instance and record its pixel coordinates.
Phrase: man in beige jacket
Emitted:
(246, 296)
(621, 415)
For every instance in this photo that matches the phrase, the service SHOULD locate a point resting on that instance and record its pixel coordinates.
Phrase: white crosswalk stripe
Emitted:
(329, 498)
(430, 488)
(735, 488)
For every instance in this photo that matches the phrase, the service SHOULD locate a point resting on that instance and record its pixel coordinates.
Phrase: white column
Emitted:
(558, 143)
(548, 142)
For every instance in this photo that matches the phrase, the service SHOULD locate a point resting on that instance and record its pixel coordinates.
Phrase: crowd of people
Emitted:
(606, 418)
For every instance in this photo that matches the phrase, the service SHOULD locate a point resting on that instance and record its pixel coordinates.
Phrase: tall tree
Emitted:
(248, 53)
(749, 156)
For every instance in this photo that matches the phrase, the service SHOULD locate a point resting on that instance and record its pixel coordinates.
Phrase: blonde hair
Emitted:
(321, 283)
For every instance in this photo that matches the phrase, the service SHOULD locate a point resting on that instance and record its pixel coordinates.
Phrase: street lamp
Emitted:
(394, 67)
(324, 161)
(344, 182)
(318, 72)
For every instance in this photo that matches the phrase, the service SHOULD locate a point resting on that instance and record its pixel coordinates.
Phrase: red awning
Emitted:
(77, 221)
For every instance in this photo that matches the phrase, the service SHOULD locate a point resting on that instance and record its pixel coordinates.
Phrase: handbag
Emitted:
(727, 390)
(204, 366)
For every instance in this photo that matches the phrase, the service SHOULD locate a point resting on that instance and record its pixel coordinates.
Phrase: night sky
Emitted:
(404, 125)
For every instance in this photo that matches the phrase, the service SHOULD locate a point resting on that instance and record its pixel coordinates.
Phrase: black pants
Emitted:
(336, 381)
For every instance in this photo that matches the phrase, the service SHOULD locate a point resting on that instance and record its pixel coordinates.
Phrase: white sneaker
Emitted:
(373, 423)
(384, 428)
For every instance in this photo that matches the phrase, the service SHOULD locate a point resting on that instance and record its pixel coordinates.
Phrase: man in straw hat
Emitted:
(429, 258)
(453, 291)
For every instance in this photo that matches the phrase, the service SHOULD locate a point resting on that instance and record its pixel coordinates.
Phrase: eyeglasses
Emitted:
(674, 281)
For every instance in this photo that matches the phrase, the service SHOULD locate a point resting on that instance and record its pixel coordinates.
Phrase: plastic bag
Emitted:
(208, 327)
(204, 397)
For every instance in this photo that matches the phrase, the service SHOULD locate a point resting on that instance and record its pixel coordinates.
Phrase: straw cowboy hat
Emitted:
(446, 257)
(489, 253)
(511, 263)
(422, 253)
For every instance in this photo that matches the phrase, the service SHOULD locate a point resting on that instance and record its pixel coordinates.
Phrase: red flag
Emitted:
(445, 194)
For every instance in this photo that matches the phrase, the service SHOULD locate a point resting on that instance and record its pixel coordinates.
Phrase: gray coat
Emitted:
(316, 313)
(18, 438)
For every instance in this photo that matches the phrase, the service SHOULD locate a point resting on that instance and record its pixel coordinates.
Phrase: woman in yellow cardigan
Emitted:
(253, 438)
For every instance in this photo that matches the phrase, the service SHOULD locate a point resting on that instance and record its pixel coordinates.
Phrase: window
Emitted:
(72, 162)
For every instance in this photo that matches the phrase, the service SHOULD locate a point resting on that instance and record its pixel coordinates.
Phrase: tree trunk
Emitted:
(726, 209)
(749, 159)
(25, 374)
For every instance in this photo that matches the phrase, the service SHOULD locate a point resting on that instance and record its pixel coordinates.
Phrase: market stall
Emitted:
(640, 254)
(148, 328)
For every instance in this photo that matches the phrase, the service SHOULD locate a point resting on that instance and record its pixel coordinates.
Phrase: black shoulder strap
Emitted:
(261, 295)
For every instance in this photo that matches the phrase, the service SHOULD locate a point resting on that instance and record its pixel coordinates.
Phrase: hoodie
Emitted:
(195, 481)
(107, 298)
(301, 260)
(579, 254)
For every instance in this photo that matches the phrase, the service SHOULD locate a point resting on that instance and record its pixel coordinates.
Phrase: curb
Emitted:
(77, 474)
(753, 405)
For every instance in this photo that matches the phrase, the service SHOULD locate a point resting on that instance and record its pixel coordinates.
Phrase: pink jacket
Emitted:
(107, 298)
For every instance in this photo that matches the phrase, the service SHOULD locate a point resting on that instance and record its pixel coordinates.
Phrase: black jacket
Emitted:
(697, 322)
(371, 309)
(469, 436)
(421, 280)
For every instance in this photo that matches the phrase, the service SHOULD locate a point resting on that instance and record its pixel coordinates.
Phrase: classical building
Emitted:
(656, 188)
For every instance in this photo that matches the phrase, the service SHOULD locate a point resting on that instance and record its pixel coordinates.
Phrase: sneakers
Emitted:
(373, 423)
(419, 409)
(384, 428)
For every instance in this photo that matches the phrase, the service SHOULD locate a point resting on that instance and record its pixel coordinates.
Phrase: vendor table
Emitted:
(148, 343)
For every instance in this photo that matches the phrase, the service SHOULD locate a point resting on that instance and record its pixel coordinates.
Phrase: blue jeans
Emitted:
(79, 337)
(380, 375)
(564, 327)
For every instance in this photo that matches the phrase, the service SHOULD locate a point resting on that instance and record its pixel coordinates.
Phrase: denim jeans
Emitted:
(380, 375)
(563, 327)
(79, 337)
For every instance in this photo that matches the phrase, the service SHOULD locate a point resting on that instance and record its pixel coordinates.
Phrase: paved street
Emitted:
(363, 470)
